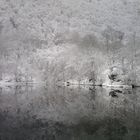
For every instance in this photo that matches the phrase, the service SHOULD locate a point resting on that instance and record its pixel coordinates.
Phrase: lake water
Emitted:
(69, 113)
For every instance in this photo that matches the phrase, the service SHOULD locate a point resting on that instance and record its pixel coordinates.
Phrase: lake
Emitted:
(69, 113)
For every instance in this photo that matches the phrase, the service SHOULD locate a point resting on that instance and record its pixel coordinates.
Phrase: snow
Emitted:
(63, 39)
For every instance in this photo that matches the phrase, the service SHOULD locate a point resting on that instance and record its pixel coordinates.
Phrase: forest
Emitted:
(55, 41)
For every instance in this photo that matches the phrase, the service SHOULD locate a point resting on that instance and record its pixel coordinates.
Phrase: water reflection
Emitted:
(69, 113)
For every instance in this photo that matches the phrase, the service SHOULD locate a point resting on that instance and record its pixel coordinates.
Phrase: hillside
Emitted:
(59, 40)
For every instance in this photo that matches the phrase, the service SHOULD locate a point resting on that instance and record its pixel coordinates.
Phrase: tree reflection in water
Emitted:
(72, 113)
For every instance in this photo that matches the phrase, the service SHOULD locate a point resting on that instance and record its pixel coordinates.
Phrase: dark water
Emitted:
(69, 113)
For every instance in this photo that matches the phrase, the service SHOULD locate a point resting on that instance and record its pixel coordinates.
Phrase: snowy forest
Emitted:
(69, 69)
(83, 41)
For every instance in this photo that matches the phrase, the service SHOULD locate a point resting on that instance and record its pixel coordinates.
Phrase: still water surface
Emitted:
(69, 113)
